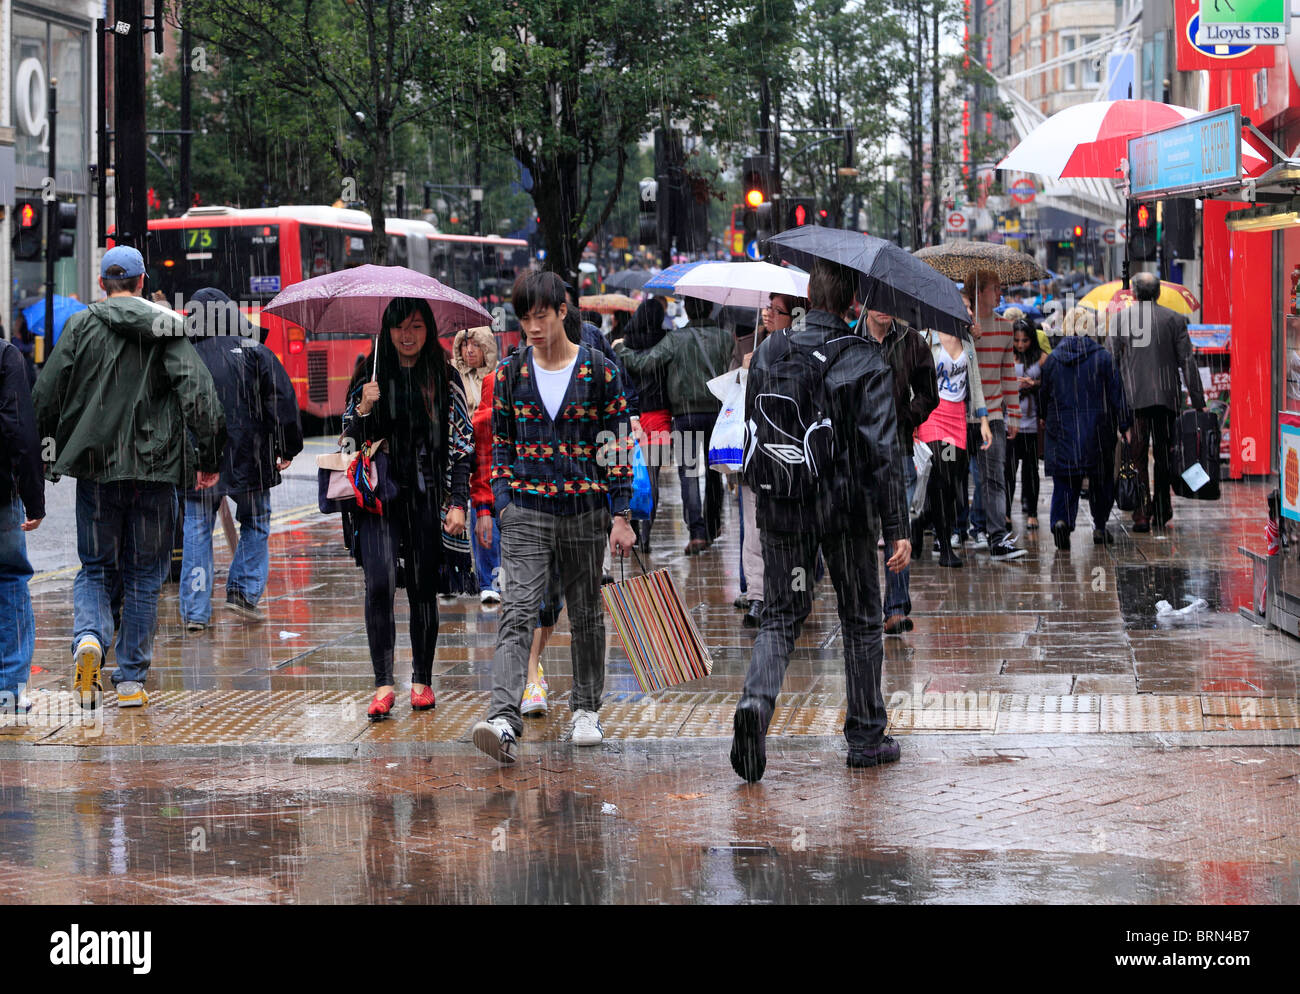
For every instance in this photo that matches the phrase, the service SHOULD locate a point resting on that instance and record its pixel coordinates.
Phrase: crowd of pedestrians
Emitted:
(497, 474)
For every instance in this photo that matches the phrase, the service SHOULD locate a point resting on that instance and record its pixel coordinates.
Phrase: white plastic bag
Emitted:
(922, 460)
(727, 443)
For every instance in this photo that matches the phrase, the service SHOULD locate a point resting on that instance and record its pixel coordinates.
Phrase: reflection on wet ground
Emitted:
(1052, 825)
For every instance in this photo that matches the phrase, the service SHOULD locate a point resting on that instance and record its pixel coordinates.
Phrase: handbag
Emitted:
(643, 501)
(658, 633)
(360, 479)
(1127, 489)
(922, 461)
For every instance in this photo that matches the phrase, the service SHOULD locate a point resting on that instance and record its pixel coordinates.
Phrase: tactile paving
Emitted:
(1250, 707)
(942, 720)
(1052, 703)
(1150, 713)
(1267, 723)
(1028, 722)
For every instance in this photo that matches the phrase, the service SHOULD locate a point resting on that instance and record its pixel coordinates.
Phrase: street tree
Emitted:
(351, 63)
(566, 87)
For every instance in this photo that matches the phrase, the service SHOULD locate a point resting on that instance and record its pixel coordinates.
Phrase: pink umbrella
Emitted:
(353, 300)
(1090, 139)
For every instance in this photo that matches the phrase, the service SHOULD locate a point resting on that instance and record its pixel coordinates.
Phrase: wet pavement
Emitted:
(1060, 745)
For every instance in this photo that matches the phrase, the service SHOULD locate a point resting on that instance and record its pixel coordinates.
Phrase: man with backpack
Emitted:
(133, 414)
(263, 435)
(825, 461)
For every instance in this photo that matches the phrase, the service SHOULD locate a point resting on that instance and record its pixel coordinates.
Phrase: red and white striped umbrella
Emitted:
(1090, 139)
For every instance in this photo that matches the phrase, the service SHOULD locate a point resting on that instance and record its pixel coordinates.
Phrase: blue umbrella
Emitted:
(890, 279)
(664, 282)
(64, 308)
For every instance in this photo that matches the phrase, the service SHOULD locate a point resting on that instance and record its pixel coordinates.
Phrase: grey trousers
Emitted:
(531, 542)
(993, 477)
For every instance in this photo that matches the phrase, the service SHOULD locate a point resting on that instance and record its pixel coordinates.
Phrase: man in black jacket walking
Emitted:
(863, 486)
(22, 506)
(263, 436)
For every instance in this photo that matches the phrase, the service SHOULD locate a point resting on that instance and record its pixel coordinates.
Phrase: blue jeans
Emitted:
(17, 626)
(898, 598)
(124, 541)
(486, 561)
(970, 516)
(251, 564)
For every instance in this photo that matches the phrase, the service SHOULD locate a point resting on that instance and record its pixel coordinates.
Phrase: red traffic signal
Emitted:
(27, 215)
(1143, 216)
(800, 215)
(1078, 231)
(754, 197)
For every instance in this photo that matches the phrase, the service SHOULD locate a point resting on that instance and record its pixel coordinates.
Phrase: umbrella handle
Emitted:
(374, 365)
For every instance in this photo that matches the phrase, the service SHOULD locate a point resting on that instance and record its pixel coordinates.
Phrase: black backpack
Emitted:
(789, 438)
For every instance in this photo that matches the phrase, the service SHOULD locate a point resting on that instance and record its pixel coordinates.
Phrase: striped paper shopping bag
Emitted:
(658, 633)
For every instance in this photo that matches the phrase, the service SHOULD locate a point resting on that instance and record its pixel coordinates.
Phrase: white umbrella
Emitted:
(741, 284)
(1088, 140)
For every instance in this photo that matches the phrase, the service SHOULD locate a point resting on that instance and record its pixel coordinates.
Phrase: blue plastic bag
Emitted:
(643, 501)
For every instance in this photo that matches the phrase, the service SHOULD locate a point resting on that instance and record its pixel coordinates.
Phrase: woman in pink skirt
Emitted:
(945, 432)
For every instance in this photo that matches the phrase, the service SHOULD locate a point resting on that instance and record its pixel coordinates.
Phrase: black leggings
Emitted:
(947, 479)
(413, 529)
(1022, 451)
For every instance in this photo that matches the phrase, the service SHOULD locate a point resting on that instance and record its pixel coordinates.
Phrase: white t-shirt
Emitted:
(952, 374)
(553, 385)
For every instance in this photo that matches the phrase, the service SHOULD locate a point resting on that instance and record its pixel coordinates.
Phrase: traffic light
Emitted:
(65, 230)
(27, 232)
(756, 186)
(1142, 233)
(647, 231)
(800, 211)
(1078, 231)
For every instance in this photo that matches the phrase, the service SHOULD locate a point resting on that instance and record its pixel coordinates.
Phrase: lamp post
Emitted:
(476, 197)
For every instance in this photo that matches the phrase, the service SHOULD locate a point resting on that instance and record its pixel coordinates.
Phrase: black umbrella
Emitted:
(890, 279)
(628, 280)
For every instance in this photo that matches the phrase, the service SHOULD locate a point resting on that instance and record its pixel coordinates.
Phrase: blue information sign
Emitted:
(1199, 154)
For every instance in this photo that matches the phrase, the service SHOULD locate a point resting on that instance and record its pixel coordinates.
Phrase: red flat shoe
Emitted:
(380, 706)
(423, 701)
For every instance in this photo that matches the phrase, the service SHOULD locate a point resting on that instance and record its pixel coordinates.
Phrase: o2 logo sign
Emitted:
(32, 100)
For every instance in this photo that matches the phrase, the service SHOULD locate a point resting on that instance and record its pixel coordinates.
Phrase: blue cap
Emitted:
(131, 261)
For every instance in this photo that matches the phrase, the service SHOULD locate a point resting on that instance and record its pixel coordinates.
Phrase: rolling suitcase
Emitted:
(1194, 455)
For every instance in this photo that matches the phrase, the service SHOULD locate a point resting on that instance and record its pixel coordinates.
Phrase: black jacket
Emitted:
(1151, 346)
(865, 484)
(21, 471)
(256, 394)
(916, 385)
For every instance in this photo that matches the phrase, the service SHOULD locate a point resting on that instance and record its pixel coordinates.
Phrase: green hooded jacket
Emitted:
(118, 395)
(687, 358)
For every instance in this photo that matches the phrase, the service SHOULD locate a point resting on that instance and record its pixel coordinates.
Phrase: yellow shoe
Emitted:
(131, 694)
(86, 681)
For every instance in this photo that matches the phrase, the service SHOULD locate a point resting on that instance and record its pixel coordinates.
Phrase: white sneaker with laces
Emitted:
(981, 540)
(489, 596)
(497, 739)
(586, 729)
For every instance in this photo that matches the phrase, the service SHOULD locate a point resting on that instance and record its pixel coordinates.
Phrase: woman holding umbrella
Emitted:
(408, 395)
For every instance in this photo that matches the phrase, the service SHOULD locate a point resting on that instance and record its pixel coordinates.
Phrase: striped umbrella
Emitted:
(958, 259)
(1090, 139)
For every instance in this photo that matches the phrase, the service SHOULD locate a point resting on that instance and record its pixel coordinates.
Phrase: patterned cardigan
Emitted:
(570, 465)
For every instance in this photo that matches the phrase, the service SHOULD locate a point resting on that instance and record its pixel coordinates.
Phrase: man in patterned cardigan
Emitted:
(555, 481)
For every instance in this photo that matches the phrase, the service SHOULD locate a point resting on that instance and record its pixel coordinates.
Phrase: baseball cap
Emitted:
(131, 261)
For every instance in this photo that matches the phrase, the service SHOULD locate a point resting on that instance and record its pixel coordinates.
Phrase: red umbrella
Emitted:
(353, 301)
(1089, 139)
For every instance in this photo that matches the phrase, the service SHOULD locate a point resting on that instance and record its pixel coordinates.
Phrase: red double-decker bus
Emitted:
(254, 254)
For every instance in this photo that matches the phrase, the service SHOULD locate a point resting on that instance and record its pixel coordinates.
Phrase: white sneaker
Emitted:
(586, 729)
(981, 540)
(497, 739)
(86, 681)
(956, 540)
(489, 597)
